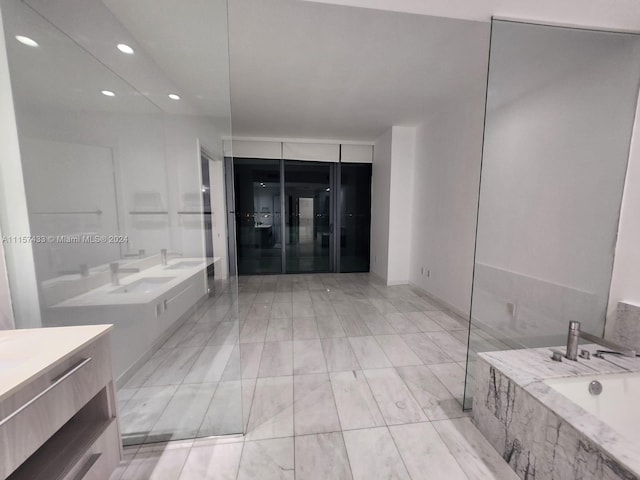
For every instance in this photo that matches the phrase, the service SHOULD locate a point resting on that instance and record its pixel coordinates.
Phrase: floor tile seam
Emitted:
(152, 372)
(209, 405)
(395, 369)
(400, 453)
(374, 397)
(383, 351)
(293, 402)
(455, 457)
(245, 426)
(434, 373)
(335, 404)
(160, 416)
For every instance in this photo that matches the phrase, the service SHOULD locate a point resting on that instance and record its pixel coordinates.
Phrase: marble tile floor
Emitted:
(333, 376)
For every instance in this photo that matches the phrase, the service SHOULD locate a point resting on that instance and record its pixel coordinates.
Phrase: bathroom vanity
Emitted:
(58, 417)
(145, 307)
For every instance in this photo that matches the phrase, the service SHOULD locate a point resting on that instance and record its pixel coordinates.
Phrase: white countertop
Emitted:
(105, 296)
(26, 353)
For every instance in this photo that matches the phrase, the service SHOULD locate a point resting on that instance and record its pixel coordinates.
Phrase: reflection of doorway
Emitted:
(308, 216)
(305, 227)
(207, 219)
(306, 196)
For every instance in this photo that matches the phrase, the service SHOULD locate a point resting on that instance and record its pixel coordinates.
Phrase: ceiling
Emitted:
(297, 69)
(302, 69)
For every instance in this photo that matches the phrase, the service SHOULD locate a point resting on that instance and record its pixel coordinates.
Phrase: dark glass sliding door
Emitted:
(355, 217)
(308, 222)
(327, 216)
(257, 214)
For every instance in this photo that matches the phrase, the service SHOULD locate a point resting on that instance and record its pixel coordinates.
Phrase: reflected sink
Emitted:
(144, 285)
(184, 265)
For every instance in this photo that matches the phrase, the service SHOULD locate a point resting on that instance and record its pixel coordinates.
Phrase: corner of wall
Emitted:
(14, 218)
(625, 277)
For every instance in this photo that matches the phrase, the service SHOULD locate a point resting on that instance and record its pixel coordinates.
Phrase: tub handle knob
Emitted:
(585, 354)
(556, 355)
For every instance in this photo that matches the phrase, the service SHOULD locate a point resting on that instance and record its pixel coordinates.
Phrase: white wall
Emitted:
(445, 198)
(380, 194)
(13, 206)
(625, 281)
(556, 147)
(153, 154)
(403, 142)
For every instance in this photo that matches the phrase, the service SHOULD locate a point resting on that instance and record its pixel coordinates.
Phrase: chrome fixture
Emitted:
(595, 387)
(164, 255)
(84, 271)
(140, 254)
(116, 270)
(575, 334)
(114, 267)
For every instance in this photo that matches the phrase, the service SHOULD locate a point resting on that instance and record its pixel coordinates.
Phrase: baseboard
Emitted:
(439, 301)
(397, 282)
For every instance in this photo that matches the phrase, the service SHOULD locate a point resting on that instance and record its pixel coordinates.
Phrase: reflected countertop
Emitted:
(141, 287)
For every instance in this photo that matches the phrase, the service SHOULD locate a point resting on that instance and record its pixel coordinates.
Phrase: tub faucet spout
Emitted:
(573, 338)
(114, 268)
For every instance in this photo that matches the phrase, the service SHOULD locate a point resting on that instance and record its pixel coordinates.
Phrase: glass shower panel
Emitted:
(559, 114)
(257, 212)
(308, 222)
(122, 231)
(355, 217)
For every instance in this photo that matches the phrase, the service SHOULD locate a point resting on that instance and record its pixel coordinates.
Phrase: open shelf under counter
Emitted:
(58, 415)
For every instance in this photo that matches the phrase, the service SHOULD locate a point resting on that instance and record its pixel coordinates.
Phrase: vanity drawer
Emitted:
(33, 415)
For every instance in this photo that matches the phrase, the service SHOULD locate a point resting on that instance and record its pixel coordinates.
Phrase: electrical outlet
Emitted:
(422, 271)
(428, 273)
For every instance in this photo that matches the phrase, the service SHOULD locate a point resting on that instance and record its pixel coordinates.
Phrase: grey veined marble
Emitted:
(627, 327)
(540, 433)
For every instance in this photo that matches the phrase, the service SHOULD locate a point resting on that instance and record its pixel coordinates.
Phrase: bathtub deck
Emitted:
(541, 433)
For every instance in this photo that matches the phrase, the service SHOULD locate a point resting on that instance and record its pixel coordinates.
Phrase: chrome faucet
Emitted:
(140, 254)
(116, 270)
(84, 271)
(114, 267)
(164, 255)
(573, 338)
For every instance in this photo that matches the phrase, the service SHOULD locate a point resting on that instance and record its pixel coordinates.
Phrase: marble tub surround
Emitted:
(537, 430)
(627, 328)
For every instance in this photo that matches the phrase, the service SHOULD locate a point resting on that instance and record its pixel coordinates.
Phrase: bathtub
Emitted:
(618, 404)
(543, 420)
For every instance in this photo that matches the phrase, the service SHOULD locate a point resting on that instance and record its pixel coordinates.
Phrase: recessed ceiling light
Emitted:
(30, 42)
(108, 93)
(174, 96)
(124, 48)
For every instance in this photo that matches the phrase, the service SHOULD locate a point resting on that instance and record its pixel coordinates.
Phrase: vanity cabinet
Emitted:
(58, 416)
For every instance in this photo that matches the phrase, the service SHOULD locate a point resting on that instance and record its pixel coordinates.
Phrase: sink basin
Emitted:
(184, 265)
(144, 285)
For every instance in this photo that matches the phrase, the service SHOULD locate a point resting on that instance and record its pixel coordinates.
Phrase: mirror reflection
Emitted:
(124, 181)
(559, 116)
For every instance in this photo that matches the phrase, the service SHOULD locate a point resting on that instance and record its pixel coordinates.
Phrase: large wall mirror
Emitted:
(559, 115)
(122, 160)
